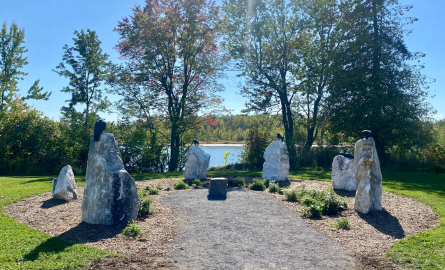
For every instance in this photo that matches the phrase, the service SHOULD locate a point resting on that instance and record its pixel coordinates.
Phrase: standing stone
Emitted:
(342, 176)
(197, 164)
(64, 186)
(110, 195)
(218, 187)
(276, 164)
(368, 177)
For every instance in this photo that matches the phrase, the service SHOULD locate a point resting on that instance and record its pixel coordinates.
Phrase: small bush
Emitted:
(197, 182)
(257, 185)
(266, 183)
(206, 184)
(273, 187)
(132, 230)
(312, 211)
(141, 194)
(282, 190)
(159, 185)
(181, 185)
(144, 208)
(343, 224)
(236, 182)
(333, 203)
(295, 194)
(168, 189)
(147, 187)
(154, 191)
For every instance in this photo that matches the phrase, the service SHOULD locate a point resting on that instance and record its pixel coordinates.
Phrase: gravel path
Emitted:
(248, 230)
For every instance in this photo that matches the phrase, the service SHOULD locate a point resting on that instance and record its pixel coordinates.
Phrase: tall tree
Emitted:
(374, 85)
(263, 38)
(12, 60)
(172, 67)
(87, 68)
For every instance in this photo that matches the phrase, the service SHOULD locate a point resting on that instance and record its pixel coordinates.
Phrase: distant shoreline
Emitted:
(223, 144)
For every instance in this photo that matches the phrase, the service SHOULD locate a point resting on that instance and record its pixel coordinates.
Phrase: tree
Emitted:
(87, 68)
(172, 67)
(12, 61)
(374, 85)
(263, 38)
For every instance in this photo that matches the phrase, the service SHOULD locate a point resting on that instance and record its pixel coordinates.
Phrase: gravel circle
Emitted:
(248, 231)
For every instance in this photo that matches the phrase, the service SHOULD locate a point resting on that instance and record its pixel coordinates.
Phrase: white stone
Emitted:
(276, 164)
(110, 194)
(64, 186)
(197, 164)
(368, 176)
(342, 177)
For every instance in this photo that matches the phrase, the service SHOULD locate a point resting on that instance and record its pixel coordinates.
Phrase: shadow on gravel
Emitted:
(216, 198)
(344, 192)
(51, 203)
(384, 222)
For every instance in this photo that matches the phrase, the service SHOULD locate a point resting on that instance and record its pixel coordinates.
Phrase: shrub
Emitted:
(313, 210)
(273, 187)
(168, 189)
(159, 185)
(181, 185)
(266, 183)
(282, 190)
(236, 182)
(197, 182)
(333, 203)
(147, 187)
(141, 194)
(257, 185)
(295, 194)
(144, 208)
(131, 230)
(343, 224)
(154, 191)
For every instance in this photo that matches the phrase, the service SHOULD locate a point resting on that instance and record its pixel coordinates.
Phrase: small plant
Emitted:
(282, 190)
(342, 223)
(132, 230)
(181, 185)
(147, 187)
(312, 211)
(295, 194)
(154, 191)
(257, 185)
(333, 203)
(274, 187)
(236, 182)
(205, 184)
(141, 194)
(226, 159)
(266, 183)
(159, 185)
(144, 208)
(197, 182)
(168, 189)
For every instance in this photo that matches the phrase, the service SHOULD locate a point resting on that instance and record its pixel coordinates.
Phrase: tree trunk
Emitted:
(174, 149)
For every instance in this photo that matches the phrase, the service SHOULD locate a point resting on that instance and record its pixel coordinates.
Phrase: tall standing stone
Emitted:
(64, 186)
(276, 164)
(368, 176)
(197, 164)
(342, 175)
(110, 195)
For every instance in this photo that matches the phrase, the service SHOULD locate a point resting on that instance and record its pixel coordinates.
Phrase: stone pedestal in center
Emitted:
(218, 187)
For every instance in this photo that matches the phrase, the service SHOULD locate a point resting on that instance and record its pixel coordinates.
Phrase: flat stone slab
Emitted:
(218, 187)
(248, 231)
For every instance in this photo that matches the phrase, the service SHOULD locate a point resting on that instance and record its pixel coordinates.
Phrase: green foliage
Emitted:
(313, 210)
(226, 160)
(236, 182)
(342, 224)
(181, 185)
(154, 191)
(266, 183)
(144, 208)
(274, 187)
(148, 188)
(257, 185)
(141, 194)
(132, 230)
(197, 182)
(295, 194)
(255, 145)
(168, 189)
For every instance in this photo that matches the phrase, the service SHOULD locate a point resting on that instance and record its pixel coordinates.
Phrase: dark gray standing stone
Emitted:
(218, 187)
(64, 187)
(110, 195)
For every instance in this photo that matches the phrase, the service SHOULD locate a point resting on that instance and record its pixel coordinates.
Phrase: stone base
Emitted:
(218, 187)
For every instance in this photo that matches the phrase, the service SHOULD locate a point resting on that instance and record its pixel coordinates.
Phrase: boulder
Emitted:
(368, 177)
(218, 187)
(276, 164)
(64, 186)
(110, 194)
(196, 164)
(342, 177)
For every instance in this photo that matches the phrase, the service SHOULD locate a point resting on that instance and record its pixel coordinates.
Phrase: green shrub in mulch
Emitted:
(257, 185)
(181, 185)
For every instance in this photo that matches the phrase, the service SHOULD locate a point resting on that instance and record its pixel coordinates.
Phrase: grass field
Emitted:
(23, 247)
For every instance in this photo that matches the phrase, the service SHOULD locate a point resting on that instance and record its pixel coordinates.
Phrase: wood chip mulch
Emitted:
(368, 239)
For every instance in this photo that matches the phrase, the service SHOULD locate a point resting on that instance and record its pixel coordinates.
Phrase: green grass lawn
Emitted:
(23, 247)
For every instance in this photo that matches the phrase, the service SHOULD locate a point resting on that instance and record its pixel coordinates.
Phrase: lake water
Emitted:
(216, 153)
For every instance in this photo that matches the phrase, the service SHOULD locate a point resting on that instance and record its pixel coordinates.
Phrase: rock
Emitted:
(276, 164)
(367, 174)
(196, 164)
(64, 187)
(218, 187)
(110, 194)
(342, 177)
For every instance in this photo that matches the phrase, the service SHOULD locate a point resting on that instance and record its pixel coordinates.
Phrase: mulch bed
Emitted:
(369, 238)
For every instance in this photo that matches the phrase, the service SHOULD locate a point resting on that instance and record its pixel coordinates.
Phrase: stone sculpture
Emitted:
(197, 164)
(99, 127)
(367, 174)
(276, 164)
(342, 176)
(110, 195)
(64, 186)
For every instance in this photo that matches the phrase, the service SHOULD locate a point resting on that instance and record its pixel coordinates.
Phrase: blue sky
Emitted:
(50, 24)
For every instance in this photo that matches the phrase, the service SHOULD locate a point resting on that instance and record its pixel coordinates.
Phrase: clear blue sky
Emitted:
(50, 24)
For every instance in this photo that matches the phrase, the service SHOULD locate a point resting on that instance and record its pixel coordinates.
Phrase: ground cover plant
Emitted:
(181, 185)
(343, 224)
(257, 185)
(132, 230)
(236, 182)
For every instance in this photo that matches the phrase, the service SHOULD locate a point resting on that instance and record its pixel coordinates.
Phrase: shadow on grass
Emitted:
(384, 222)
(51, 203)
(52, 245)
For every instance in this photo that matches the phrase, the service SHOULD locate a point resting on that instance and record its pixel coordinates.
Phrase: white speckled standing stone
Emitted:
(64, 186)
(197, 163)
(342, 177)
(366, 171)
(110, 195)
(276, 164)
